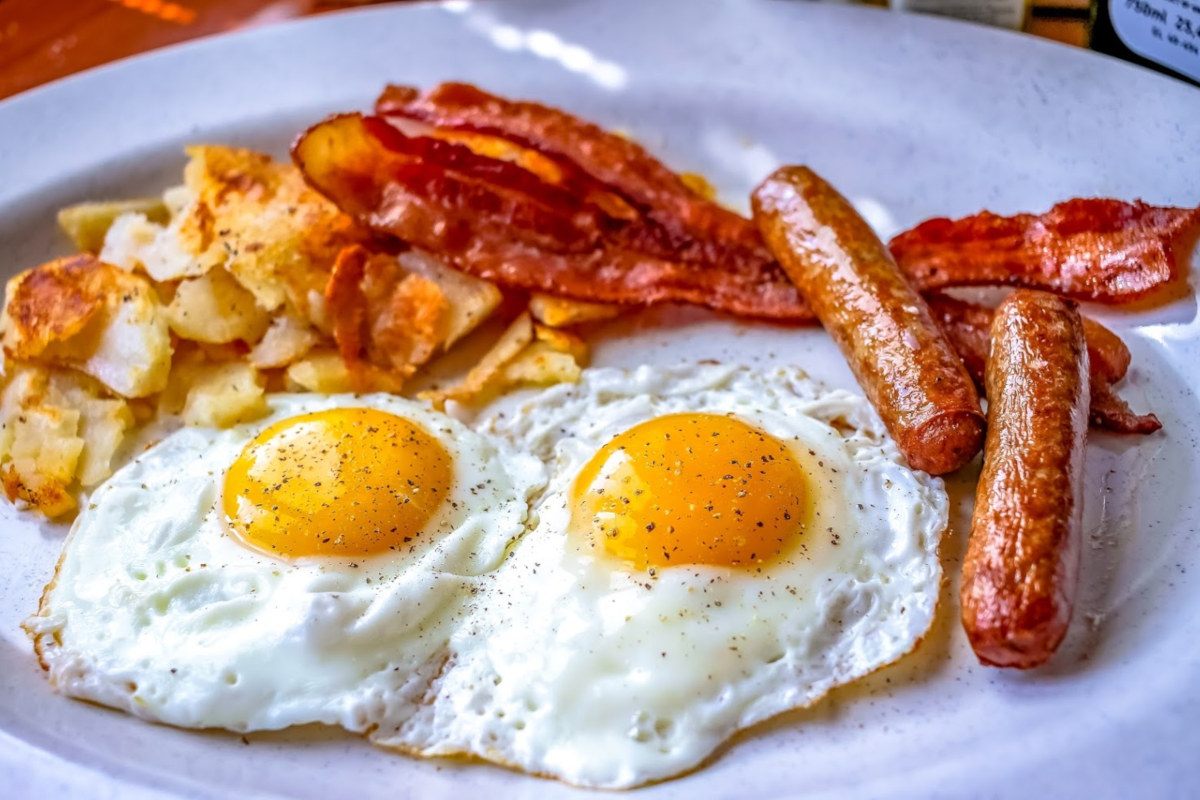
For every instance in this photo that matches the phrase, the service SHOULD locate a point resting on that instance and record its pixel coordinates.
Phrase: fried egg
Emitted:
(309, 567)
(715, 546)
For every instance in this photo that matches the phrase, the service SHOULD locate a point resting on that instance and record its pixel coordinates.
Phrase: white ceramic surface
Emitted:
(911, 117)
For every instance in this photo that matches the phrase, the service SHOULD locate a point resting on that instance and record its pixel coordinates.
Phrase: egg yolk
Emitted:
(692, 489)
(345, 482)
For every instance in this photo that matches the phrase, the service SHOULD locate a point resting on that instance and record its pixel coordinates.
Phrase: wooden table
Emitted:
(41, 40)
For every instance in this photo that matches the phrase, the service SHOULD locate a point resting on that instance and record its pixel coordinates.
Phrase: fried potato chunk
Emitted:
(215, 308)
(222, 395)
(258, 219)
(88, 223)
(562, 312)
(469, 300)
(286, 341)
(526, 354)
(325, 372)
(211, 394)
(391, 318)
(540, 364)
(83, 313)
(56, 429)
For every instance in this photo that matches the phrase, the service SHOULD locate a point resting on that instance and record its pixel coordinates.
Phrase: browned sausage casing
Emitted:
(905, 366)
(1023, 557)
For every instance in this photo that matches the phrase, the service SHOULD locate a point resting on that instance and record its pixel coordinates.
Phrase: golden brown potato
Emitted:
(260, 220)
(222, 395)
(562, 342)
(469, 300)
(22, 483)
(103, 423)
(56, 430)
(525, 355)
(382, 314)
(540, 364)
(486, 373)
(561, 312)
(136, 244)
(325, 372)
(321, 371)
(213, 394)
(287, 340)
(215, 308)
(95, 317)
(50, 304)
(88, 223)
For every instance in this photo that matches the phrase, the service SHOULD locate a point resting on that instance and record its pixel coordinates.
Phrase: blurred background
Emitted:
(41, 40)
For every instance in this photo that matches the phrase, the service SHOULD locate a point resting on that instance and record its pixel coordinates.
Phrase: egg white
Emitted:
(157, 610)
(573, 665)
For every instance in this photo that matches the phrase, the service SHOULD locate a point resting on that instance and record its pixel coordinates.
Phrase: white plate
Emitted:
(912, 117)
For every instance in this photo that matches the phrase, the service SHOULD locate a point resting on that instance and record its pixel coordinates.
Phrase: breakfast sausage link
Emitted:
(886, 332)
(1023, 557)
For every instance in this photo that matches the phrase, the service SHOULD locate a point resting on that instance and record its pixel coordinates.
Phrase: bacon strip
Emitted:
(1096, 249)
(536, 199)
(619, 162)
(968, 325)
(498, 221)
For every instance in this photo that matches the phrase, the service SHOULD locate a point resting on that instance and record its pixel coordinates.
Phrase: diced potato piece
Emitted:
(287, 340)
(57, 428)
(41, 451)
(408, 331)
(22, 482)
(555, 356)
(541, 364)
(525, 355)
(562, 341)
(95, 317)
(102, 422)
(469, 300)
(26, 386)
(485, 374)
(46, 437)
(133, 243)
(560, 312)
(102, 426)
(222, 395)
(51, 304)
(323, 371)
(318, 314)
(259, 219)
(87, 223)
(215, 308)
(132, 356)
(379, 311)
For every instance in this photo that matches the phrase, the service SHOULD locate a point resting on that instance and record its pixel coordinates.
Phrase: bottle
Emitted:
(1160, 34)
(1003, 13)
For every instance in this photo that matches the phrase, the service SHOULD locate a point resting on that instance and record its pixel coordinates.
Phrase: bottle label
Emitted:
(1164, 31)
